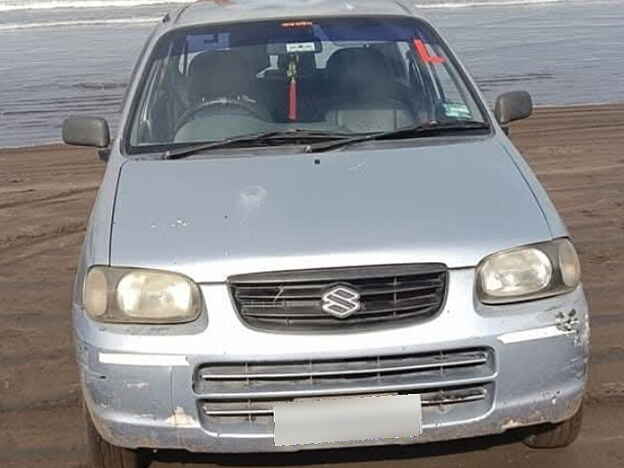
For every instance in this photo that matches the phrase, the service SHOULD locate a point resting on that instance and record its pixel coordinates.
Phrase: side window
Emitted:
(142, 131)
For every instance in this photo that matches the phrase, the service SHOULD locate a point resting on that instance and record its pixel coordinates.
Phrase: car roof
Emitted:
(225, 11)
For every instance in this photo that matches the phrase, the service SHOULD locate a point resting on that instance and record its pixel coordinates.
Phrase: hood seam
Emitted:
(537, 202)
(113, 210)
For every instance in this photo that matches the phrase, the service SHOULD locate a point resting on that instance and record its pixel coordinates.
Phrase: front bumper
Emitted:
(141, 383)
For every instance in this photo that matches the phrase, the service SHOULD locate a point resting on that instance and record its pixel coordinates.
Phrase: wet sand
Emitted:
(45, 197)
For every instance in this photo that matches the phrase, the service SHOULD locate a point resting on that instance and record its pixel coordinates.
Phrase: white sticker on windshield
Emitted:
(300, 47)
(459, 111)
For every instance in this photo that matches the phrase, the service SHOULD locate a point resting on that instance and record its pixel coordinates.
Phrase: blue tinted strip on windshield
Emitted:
(220, 37)
(202, 42)
(371, 29)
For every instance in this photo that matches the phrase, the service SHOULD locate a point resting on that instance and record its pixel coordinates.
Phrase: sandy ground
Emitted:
(45, 196)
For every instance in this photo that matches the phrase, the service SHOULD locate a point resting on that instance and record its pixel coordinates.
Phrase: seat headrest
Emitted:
(220, 73)
(358, 68)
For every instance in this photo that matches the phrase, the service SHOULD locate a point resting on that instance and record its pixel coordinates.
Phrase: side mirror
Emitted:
(512, 106)
(86, 131)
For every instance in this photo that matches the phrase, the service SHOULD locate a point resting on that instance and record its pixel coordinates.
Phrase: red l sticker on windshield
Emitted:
(421, 48)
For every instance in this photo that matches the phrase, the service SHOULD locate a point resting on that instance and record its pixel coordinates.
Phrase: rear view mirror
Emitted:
(86, 131)
(512, 106)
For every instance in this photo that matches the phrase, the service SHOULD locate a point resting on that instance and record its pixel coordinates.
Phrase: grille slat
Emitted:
(400, 289)
(243, 412)
(306, 309)
(283, 297)
(254, 292)
(429, 363)
(223, 391)
(293, 300)
(265, 407)
(322, 321)
(303, 304)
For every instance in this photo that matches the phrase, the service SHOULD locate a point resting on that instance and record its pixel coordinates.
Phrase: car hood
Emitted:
(210, 218)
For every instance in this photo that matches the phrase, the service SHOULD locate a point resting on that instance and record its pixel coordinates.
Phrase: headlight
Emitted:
(128, 295)
(530, 272)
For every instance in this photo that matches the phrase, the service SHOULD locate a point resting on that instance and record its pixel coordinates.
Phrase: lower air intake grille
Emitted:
(240, 396)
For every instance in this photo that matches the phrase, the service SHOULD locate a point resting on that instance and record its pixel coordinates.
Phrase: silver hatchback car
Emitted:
(313, 233)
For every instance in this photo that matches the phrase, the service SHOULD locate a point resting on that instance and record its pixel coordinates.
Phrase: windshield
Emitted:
(336, 75)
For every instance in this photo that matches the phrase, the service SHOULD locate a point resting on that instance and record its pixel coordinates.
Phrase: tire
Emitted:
(556, 435)
(105, 455)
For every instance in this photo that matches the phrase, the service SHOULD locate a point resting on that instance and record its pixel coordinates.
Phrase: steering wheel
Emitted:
(250, 107)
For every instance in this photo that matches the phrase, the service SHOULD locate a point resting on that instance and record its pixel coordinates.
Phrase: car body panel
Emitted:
(211, 13)
(158, 407)
(431, 203)
(555, 223)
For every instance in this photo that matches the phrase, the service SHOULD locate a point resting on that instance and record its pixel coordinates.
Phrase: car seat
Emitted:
(364, 96)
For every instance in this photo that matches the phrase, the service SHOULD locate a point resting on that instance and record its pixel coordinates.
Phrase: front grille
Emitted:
(293, 300)
(239, 397)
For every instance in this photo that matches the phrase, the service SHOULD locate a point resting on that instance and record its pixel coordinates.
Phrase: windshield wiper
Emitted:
(262, 138)
(428, 129)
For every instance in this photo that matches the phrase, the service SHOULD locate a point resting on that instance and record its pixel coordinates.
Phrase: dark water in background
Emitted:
(61, 57)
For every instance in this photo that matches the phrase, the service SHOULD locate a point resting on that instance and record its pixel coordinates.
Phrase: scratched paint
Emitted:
(180, 419)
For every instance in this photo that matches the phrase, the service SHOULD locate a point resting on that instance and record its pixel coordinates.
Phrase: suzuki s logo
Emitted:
(341, 301)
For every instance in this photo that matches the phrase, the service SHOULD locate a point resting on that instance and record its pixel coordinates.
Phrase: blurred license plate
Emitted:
(346, 419)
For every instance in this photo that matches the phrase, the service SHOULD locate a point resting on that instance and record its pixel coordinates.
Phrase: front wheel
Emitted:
(105, 455)
(556, 435)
